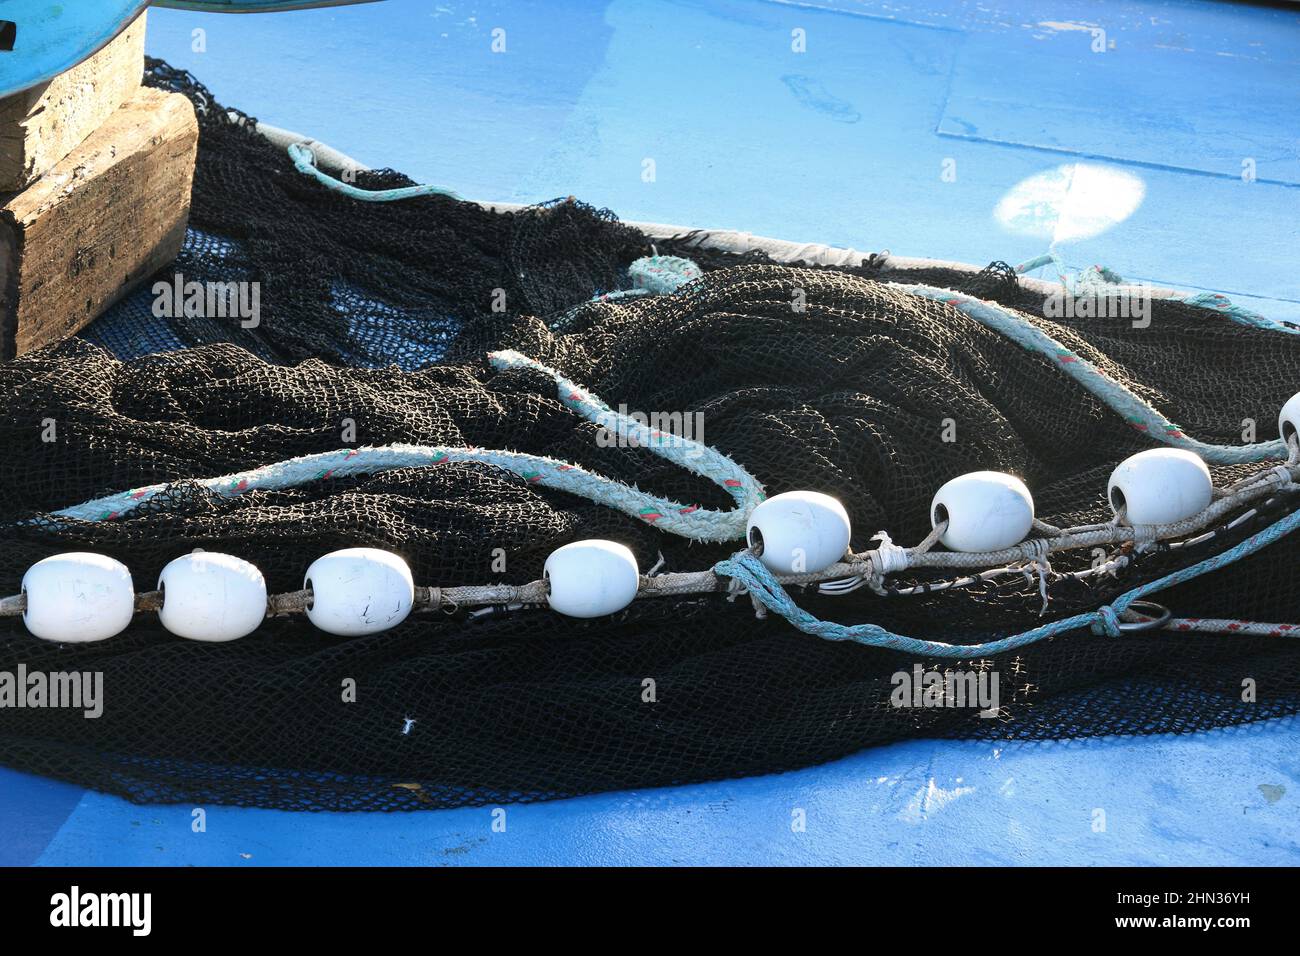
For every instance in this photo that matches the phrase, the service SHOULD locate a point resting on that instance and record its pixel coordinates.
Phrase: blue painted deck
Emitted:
(1225, 797)
(1170, 157)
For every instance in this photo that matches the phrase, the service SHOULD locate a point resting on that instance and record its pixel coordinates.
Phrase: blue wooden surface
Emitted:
(844, 143)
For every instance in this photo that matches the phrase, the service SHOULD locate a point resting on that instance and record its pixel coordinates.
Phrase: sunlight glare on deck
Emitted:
(1071, 201)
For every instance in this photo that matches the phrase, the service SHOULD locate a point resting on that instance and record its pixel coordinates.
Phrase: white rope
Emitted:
(1206, 625)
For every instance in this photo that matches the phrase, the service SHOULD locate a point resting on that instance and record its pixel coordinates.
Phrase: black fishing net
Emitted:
(855, 395)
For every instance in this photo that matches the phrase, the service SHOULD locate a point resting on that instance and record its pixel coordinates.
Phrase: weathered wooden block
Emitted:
(40, 126)
(103, 219)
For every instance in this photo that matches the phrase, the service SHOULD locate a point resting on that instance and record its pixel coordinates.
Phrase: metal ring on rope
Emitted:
(1157, 616)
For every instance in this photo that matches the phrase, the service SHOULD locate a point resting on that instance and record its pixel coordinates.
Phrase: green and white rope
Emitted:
(662, 275)
(1100, 281)
(687, 520)
(1123, 401)
(305, 160)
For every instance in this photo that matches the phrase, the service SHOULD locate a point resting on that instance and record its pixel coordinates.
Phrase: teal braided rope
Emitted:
(689, 521)
(1215, 302)
(1047, 258)
(662, 275)
(305, 161)
(1116, 395)
(748, 570)
(682, 451)
(1222, 305)
(666, 274)
(567, 318)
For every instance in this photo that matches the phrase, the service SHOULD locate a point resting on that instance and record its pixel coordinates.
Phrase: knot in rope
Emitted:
(735, 586)
(1144, 536)
(1282, 474)
(1035, 552)
(888, 557)
(1107, 623)
(885, 559)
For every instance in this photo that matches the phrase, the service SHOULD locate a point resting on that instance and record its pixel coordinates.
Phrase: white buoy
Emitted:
(359, 591)
(799, 532)
(78, 597)
(1288, 421)
(1160, 486)
(985, 511)
(211, 597)
(591, 578)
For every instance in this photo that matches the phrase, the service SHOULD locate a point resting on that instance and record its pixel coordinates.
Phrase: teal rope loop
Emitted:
(688, 521)
(305, 161)
(746, 569)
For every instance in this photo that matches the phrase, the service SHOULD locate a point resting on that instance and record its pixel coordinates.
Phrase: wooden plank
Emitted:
(41, 125)
(105, 218)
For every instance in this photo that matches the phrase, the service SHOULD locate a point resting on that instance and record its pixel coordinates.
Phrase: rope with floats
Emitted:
(745, 573)
(750, 571)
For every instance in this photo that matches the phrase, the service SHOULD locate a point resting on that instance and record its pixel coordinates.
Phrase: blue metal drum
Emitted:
(41, 38)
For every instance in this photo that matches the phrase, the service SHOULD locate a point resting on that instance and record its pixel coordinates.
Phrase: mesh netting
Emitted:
(852, 396)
